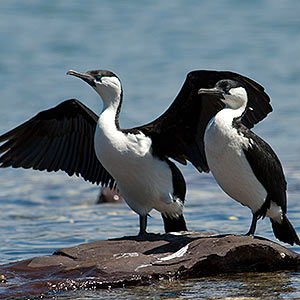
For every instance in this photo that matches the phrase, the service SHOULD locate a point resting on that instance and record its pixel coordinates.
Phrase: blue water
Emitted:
(151, 45)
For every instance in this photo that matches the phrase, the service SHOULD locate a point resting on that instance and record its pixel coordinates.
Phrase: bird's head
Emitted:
(232, 93)
(104, 82)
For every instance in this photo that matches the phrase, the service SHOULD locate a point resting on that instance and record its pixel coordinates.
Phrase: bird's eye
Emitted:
(227, 90)
(98, 77)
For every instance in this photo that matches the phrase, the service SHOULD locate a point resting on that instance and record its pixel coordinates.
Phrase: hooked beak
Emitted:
(84, 76)
(213, 91)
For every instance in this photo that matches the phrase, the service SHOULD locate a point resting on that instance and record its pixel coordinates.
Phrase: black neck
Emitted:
(118, 111)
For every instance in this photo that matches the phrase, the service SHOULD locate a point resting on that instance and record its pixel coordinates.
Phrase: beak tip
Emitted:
(70, 72)
(84, 76)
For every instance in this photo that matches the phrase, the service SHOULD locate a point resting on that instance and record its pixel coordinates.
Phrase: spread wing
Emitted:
(179, 132)
(60, 138)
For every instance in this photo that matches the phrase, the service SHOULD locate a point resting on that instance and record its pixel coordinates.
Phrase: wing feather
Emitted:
(60, 138)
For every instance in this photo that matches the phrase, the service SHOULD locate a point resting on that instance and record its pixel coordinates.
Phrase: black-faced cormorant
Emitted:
(243, 164)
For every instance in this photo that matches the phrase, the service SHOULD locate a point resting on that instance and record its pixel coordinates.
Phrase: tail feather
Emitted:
(285, 231)
(173, 224)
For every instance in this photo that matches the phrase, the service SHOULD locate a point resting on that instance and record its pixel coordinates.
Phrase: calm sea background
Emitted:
(151, 46)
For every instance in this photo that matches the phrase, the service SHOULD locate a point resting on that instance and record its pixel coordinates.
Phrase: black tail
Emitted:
(174, 224)
(285, 231)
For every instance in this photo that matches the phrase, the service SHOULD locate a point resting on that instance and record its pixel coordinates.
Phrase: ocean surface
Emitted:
(151, 46)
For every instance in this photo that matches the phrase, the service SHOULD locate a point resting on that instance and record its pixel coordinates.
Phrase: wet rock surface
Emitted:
(143, 259)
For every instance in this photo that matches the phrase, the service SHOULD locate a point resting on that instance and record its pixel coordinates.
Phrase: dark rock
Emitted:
(143, 259)
(109, 196)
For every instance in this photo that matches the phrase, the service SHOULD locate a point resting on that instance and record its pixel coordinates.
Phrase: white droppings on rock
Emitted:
(125, 255)
(176, 233)
(142, 266)
(177, 254)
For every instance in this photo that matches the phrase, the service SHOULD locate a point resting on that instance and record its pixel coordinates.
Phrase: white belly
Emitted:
(229, 165)
(144, 181)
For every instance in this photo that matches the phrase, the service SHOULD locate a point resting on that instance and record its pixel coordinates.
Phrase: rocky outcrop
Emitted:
(142, 259)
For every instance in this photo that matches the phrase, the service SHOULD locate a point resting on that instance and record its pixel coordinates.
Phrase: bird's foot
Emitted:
(250, 234)
(141, 233)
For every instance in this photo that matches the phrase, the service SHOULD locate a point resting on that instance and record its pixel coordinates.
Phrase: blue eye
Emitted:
(98, 77)
(227, 90)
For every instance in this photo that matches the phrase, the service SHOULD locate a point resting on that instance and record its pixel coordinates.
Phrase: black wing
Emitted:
(267, 168)
(179, 132)
(60, 138)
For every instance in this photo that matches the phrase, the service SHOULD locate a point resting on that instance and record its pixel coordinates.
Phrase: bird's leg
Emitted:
(253, 224)
(143, 224)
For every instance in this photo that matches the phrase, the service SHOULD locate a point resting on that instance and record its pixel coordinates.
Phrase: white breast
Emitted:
(144, 181)
(228, 164)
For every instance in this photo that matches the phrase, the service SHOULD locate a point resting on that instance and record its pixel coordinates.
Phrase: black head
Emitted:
(231, 92)
(104, 82)
(226, 85)
(258, 100)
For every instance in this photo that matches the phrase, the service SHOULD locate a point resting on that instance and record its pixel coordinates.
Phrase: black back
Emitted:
(266, 167)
